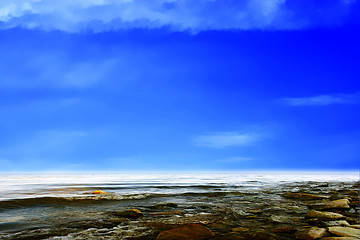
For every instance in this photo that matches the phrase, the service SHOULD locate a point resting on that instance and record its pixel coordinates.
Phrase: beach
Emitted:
(133, 206)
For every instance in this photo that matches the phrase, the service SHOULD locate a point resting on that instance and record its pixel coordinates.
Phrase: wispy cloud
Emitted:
(322, 100)
(227, 139)
(178, 15)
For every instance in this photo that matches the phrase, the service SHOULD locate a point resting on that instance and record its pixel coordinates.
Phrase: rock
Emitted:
(341, 204)
(254, 211)
(166, 213)
(189, 232)
(240, 229)
(164, 205)
(280, 219)
(342, 223)
(311, 233)
(339, 238)
(324, 215)
(260, 236)
(355, 226)
(303, 196)
(131, 213)
(284, 230)
(345, 231)
(99, 192)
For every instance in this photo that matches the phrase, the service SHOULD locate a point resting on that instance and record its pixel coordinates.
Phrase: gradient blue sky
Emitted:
(173, 85)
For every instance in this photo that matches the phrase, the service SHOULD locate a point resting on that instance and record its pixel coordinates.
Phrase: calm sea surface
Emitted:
(53, 206)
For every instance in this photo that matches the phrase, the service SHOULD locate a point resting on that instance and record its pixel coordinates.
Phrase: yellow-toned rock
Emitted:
(99, 192)
(345, 231)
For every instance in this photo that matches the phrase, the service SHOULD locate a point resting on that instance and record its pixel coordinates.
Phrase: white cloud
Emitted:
(179, 15)
(226, 139)
(323, 100)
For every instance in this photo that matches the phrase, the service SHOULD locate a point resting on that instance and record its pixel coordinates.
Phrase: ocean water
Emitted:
(63, 206)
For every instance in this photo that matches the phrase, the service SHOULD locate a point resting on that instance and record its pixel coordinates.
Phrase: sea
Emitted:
(63, 205)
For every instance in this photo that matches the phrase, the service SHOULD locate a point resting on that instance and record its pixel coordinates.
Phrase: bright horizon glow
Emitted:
(134, 86)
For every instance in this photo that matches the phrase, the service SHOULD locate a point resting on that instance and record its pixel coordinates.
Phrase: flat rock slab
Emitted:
(341, 223)
(345, 231)
(324, 215)
(189, 232)
(311, 233)
(304, 196)
(339, 204)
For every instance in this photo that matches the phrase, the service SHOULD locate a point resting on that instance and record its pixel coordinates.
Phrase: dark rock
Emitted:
(188, 232)
(284, 230)
(131, 213)
(260, 236)
(339, 238)
(303, 196)
(163, 205)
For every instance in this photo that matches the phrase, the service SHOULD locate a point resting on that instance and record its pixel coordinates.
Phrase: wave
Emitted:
(95, 199)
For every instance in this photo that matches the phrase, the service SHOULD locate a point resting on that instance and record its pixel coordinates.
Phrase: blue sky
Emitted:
(172, 85)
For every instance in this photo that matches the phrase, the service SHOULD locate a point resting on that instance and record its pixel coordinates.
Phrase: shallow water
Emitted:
(62, 206)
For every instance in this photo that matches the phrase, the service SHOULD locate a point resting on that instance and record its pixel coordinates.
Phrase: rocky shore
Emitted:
(311, 210)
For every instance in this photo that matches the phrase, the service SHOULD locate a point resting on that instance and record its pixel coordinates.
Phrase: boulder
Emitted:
(131, 213)
(303, 196)
(189, 232)
(345, 231)
(324, 215)
(311, 233)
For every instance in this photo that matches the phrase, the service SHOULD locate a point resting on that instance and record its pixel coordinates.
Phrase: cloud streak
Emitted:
(322, 100)
(226, 139)
(177, 15)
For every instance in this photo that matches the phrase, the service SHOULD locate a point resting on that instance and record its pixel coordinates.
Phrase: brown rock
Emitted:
(304, 196)
(311, 233)
(166, 213)
(284, 230)
(324, 215)
(341, 203)
(240, 229)
(355, 226)
(339, 238)
(131, 213)
(260, 236)
(345, 231)
(188, 232)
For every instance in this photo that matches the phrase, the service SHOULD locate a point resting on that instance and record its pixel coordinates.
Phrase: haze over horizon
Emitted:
(167, 85)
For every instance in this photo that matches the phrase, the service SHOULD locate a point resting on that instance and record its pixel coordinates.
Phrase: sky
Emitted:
(160, 85)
